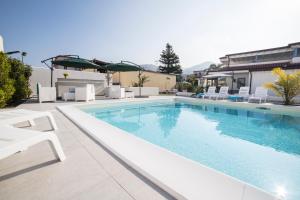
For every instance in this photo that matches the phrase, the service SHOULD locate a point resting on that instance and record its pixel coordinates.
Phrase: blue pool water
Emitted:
(254, 146)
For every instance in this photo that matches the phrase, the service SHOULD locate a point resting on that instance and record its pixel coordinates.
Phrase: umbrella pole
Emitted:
(140, 93)
(51, 76)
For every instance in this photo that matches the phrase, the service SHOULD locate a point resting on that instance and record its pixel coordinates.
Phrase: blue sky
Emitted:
(199, 31)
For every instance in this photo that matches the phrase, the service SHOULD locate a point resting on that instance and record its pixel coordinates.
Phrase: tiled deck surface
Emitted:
(89, 172)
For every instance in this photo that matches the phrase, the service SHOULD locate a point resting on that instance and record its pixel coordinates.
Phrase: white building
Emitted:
(253, 68)
(1, 44)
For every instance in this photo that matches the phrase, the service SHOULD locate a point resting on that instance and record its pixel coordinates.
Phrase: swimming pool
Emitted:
(255, 146)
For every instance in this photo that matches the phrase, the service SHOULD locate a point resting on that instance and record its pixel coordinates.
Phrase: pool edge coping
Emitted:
(169, 185)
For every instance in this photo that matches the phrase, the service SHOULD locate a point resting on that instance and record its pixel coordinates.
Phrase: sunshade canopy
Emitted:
(77, 63)
(217, 75)
(122, 67)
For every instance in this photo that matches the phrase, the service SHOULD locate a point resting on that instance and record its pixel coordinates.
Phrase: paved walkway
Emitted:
(89, 172)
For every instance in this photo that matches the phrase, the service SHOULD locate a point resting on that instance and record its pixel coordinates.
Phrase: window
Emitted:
(241, 82)
(298, 52)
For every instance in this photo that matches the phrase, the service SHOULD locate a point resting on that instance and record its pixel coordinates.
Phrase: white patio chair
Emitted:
(210, 92)
(260, 94)
(70, 95)
(86, 93)
(223, 93)
(46, 93)
(13, 140)
(11, 117)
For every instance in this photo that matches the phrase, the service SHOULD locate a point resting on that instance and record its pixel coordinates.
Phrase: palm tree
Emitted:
(143, 79)
(287, 85)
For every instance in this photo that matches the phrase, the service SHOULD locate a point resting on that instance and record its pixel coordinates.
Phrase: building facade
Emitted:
(254, 68)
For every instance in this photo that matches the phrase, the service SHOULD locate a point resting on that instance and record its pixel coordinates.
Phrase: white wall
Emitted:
(259, 78)
(43, 76)
(145, 91)
(58, 73)
(39, 75)
(296, 60)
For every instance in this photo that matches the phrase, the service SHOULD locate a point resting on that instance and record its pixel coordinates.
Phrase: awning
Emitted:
(217, 75)
(77, 63)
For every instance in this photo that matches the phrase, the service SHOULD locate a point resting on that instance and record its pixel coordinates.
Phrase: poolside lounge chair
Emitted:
(260, 94)
(210, 92)
(11, 117)
(223, 93)
(46, 93)
(243, 94)
(13, 140)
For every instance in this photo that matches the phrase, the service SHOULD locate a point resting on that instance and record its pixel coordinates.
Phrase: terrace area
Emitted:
(89, 172)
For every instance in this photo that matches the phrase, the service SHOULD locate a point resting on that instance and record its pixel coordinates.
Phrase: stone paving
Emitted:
(89, 171)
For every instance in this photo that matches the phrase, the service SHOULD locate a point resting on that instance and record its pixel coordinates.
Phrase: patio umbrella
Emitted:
(77, 63)
(124, 67)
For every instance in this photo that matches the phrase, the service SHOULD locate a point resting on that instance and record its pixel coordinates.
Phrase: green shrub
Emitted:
(14, 80)
(2, 99)
(199, 89)
(184, 86)
(6, 83)
(20, 73)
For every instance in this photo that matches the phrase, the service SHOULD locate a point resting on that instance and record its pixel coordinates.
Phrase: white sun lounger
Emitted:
(13, 140)
(260, 94)
(244, 92)
(11, 117)
(242, 95)
(210, 92)
(223, 93)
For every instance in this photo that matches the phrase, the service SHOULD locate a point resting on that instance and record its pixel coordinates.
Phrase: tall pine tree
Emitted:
(170, 61)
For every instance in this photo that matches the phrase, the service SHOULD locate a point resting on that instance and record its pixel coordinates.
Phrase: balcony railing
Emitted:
(262, 58)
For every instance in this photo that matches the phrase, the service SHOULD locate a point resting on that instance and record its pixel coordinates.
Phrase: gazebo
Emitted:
(214, 78)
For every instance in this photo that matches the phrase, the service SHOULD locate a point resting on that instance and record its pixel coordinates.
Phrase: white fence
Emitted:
(145, 91)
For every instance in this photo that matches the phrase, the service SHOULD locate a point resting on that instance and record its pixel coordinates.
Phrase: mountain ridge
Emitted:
(200, 66)
(186, 71)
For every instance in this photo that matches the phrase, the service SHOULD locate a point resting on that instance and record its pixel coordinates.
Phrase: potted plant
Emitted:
(66, 75)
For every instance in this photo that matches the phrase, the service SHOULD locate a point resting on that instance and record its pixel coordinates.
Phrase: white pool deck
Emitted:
(95, 166)
(89, 171)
